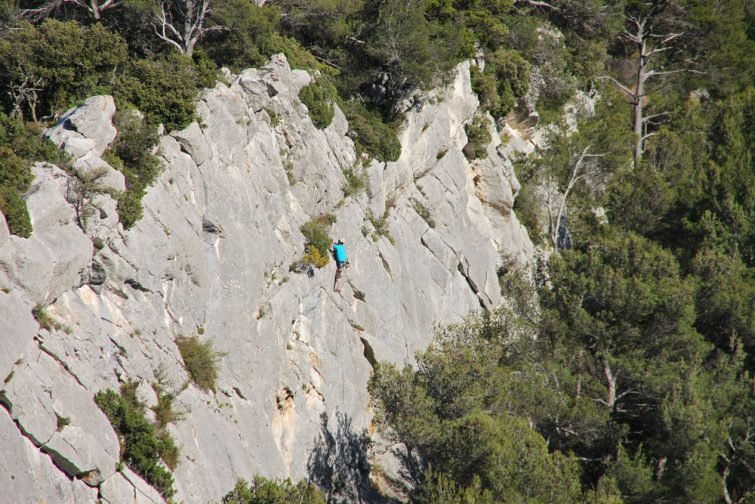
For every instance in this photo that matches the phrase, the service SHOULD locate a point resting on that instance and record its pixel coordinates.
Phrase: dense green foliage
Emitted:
(478, 137)
(142, 445)
(319, 97)
(370, 134)
(131, 153)
(20, 146)
(265, 491)
(316, 232)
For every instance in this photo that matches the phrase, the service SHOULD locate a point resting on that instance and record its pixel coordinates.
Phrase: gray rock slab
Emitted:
(127, 487)
(55, 257)
(28, 476)
(60, 416)
(91, 121)
(19, 328)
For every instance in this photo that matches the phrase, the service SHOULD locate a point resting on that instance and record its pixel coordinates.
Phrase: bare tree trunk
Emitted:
(725, 484)
(184, 32)
(573, 179)
(611, 380)
(648, 45)
(95, 8)
(639, 95)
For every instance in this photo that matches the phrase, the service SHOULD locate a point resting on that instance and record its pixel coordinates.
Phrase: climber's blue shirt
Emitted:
(340, 253)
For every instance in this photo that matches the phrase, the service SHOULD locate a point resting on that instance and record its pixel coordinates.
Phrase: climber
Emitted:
(339, 254)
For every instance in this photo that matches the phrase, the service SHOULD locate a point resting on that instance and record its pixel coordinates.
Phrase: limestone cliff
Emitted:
(211, 258)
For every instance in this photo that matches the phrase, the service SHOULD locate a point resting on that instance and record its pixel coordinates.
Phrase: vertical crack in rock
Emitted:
(386, 266)
(369, 353)
(472, 285)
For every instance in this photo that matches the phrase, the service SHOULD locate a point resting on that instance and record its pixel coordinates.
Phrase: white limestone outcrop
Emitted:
(211, 258)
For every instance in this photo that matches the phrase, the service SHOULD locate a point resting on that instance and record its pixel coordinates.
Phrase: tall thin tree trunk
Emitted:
(638, 97)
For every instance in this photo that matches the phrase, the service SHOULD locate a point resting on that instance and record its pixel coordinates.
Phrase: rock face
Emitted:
(211, 258)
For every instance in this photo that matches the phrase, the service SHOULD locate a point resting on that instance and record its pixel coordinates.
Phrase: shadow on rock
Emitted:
(339, 463)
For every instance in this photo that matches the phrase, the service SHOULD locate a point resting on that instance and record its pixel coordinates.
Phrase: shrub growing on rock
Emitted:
(66, 61)
(131, 153)
(164, 90)
(20, 145)
(354, 182)
(319, 97)
(478, 137)
(318, 240)
(201, 361)
(370, 134)
(142, 447)
(265, 491)
(15, 212)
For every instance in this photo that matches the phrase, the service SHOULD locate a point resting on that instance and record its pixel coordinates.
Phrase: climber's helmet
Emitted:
(340, 241)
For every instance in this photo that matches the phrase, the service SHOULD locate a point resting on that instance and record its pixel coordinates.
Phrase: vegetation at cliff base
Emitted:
(143, 447)
(265, 491)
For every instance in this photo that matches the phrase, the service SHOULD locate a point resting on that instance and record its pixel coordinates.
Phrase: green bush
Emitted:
(28, 144)
(129, 207)
(141, 446)
(20, 145)
(370, 134)
(319, 97)
(201, 361)
(250, 29)
(164, 90)
(14, 171)
(527, 209)
(505, 78)
(16, 214)
(297, 56)
(68, 62)
(382, 228)
(316, 233)
(265, 491)
(478, 138)
(131, 153)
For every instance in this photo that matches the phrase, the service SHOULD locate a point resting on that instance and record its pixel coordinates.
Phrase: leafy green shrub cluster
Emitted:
(20, 145)
(315, 231)
(527, 208)
(505, 78)
(66, 61)
(265, 491)
(370, 133)
(15, 212)
(142, 445)
(319, 97)
(164, 89)
(201, 361)
(131, 153)
(478, 138)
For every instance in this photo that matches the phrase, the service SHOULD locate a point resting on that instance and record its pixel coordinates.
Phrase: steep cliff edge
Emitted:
(211, 258)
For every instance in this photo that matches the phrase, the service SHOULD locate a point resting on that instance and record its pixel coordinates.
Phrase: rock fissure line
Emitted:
(59, 361)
